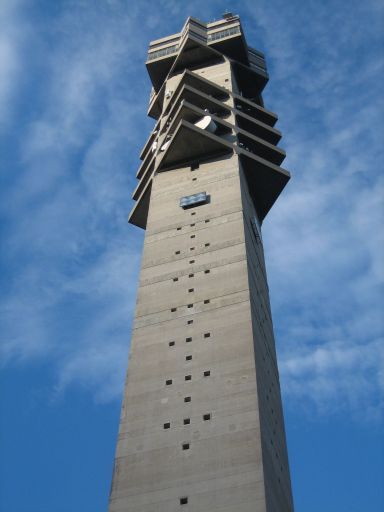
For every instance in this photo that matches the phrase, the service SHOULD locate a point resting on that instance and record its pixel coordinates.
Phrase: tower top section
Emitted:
(203, 42)
(207, 101)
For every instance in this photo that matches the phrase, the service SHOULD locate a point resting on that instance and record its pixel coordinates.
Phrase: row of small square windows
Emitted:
(187, 421)
(179, 228)
(193, 248)
(191, 275)
(206, 373)
(189, 339)
(206, 301)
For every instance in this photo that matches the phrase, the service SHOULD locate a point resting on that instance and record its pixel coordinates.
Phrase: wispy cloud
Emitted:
(69, 288)
(71, 274)
(324, 238)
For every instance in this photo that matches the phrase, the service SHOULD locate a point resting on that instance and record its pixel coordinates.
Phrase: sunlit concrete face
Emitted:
(202, 426)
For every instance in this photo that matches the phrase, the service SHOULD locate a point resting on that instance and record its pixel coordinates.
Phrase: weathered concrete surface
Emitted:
(202, 306)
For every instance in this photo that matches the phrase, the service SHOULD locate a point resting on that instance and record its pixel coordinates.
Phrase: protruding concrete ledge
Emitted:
(265, 180)
(187, 144)
(257, 128)
(139, 213)
(190, 113)
(190, 143)
(250, 81)
(260, 147)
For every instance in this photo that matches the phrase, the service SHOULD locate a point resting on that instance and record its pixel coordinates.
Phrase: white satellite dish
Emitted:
(164, 146)
(207, 123)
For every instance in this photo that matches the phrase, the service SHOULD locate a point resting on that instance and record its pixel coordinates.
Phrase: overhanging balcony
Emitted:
(265, 181)
(190, 143)
(194, 52)
(191, 114)
(150, 141)
(199, 99)
(257, 128)
(249, 80)
(253, 110)
(260, 147)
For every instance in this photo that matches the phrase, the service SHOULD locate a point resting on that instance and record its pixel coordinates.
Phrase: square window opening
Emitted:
(207, 271)
(171, 343)
(191, 290)
(207, 245)
(188, 358)
(183, 500)
(187, 399)
(206, 417)
(168, 382)
(188, 340)
(167, 425)
(175, 279)
(191, 261)
(190, 322)
(173, 310)
(188, 377)
(185, 446)
(207, 373)
(207, 301)
(187, 421)
(191, 275)
(207, 335)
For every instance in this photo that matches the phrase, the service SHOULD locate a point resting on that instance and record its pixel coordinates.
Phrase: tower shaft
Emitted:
(202, 426)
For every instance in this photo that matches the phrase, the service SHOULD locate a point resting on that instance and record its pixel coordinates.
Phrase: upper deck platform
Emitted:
(225, 36)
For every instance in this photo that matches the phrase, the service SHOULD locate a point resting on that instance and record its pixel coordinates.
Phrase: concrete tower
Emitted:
(202, 426)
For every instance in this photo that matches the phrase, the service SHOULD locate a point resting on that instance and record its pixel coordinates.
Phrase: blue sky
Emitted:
(73, 98)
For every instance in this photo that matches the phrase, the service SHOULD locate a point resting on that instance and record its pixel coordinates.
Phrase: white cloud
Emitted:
(75, 266)
(324, 237)
(336, 377)
(69, 199)
(11, 42)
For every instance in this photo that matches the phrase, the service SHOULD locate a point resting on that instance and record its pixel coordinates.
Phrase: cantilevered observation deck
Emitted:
(202, 427)
(243, 125)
